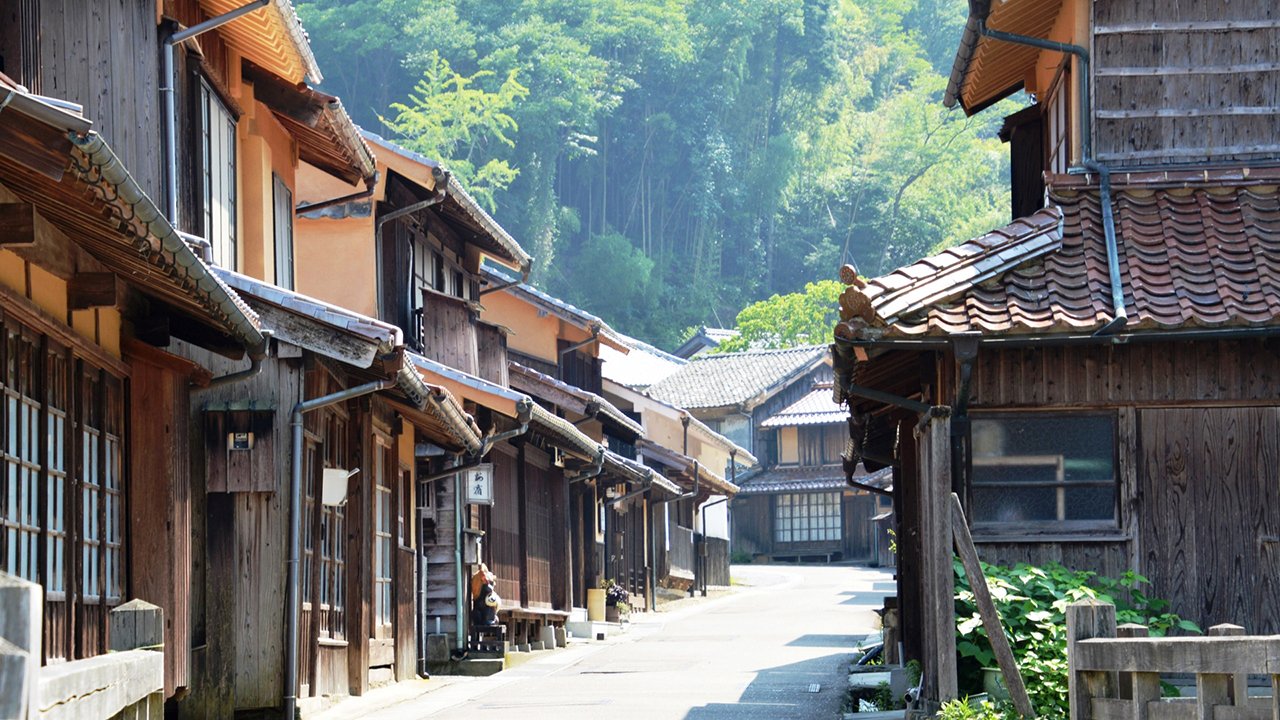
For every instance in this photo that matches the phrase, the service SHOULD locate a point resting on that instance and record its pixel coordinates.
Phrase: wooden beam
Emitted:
(1205, 26)
(138, 350)
(987, 609)
(304, 106)
(1213, 655)
(937, 562)
(17, 223)
(92, 290)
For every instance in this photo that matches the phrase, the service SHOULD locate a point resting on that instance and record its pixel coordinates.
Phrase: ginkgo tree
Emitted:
(451, 118)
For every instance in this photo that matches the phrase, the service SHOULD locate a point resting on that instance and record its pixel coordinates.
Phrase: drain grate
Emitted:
(814, 687)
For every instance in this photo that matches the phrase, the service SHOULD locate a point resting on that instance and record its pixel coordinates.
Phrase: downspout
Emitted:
(435, 199)
(525, 270)
(170, 103)
(295, 527)
(591, 470)
(1086, 161)
(256, 356)
(965, 347)
(304, 209)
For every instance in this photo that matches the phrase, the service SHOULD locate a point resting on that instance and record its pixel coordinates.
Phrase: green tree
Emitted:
(783, 321)
(451, 119)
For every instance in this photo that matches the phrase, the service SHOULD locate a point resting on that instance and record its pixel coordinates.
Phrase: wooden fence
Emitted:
(681, 553)
(1115, 671)
(128, 683)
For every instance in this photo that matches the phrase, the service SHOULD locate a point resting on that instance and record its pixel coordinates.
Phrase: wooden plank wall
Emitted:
(105, 55)
(1137, 374)
(449, 335)
(859, 530)
(491, 361)
(1193, 420)
(535, 489)
(502, 543)
(1195, 89)
(240, 549)
(752, 524)
(160, 507)
(1204, 544)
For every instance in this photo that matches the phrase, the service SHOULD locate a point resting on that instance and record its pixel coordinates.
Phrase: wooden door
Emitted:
(1208, 510)
(537, 528)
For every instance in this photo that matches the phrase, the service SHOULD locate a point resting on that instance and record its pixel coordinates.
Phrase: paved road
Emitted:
(752, 654)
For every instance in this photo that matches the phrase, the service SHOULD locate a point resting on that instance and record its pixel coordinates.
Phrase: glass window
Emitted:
(1044, 469)
(808, 517)
(218, 140)
(282, 200)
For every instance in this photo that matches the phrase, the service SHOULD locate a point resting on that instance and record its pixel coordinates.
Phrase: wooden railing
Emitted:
(128, 682)
(1115, 671)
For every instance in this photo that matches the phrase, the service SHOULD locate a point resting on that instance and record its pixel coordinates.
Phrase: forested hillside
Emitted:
(670, 161)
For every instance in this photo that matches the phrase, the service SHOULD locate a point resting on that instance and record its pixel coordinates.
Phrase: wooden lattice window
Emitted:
(806, 517)
(333, 562)
(22, 459)
(384, 465)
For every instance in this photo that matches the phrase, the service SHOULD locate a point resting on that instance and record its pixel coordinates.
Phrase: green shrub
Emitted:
(737, 557)
(1033, 604)
(986, 710)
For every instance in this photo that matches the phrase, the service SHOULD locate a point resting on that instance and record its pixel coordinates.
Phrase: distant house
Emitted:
(704, 340)
(734, 392)
(799, 506)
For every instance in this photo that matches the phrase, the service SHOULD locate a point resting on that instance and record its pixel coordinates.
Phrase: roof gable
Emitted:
(725, 379)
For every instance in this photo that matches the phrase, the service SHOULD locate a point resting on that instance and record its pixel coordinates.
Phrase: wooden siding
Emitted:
(239, 553)
(160, 506)
(752, 524)
(1209, 496)
(859, 530)
(491, 345)
(449, 333)
(536, 523)
(1177, 82)
(105, 55)
(502, 543)
(1215, 372)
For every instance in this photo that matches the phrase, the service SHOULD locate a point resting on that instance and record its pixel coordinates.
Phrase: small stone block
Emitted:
(437, 648)
(548, 637)
(562, 637)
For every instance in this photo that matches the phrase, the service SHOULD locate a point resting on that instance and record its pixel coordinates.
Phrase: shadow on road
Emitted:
(831, 641)
(783, 692)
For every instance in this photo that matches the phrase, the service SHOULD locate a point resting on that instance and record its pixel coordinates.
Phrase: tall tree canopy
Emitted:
(669, 162)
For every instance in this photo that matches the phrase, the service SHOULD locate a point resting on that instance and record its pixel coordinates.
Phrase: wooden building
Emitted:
(90, 272)
(1093, 380)
(800, 507)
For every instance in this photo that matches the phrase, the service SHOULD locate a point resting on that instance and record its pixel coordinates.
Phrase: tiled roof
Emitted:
(816, 408)
(722, 379)
(592, 404)
(1190, 257)
(800, 479)
(640, 368)
(340, 318)
(703, 340)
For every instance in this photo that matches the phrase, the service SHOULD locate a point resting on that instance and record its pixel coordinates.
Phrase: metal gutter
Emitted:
(168, 92)
(174, 254)
(584, 445)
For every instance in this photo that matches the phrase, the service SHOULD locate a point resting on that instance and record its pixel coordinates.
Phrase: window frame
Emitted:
(282, 240)
(1051, 527)
(827, 532)
(223, 248)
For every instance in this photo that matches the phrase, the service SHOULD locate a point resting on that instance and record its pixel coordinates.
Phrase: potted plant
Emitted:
(615, 599)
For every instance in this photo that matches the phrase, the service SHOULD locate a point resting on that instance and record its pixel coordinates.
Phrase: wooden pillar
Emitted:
(1088, 618)
(1238, 685)
(937, 566)
(359, 607)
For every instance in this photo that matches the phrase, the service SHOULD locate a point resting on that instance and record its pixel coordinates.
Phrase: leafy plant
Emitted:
(615, 594)
(1033, 602)
(739, 557)
(986, 710)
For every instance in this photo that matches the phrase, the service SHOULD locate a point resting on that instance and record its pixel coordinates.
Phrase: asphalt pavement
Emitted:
(776, 648)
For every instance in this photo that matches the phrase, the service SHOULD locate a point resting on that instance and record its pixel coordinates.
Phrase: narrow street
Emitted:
(755, 653)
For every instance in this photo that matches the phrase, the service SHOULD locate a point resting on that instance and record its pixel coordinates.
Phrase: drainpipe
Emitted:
(591, 470)
(965, 347)
(295, 522)
(256, 356)
(170, 104)
(1086, 161)
(435, 199)
(310, 207)
(524, 278)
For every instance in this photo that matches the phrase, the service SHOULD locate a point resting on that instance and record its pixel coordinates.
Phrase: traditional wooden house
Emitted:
(90, 271)
(554, 349)
(703, 340)
(1092, 380)
(800, 507)
(679, 523)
